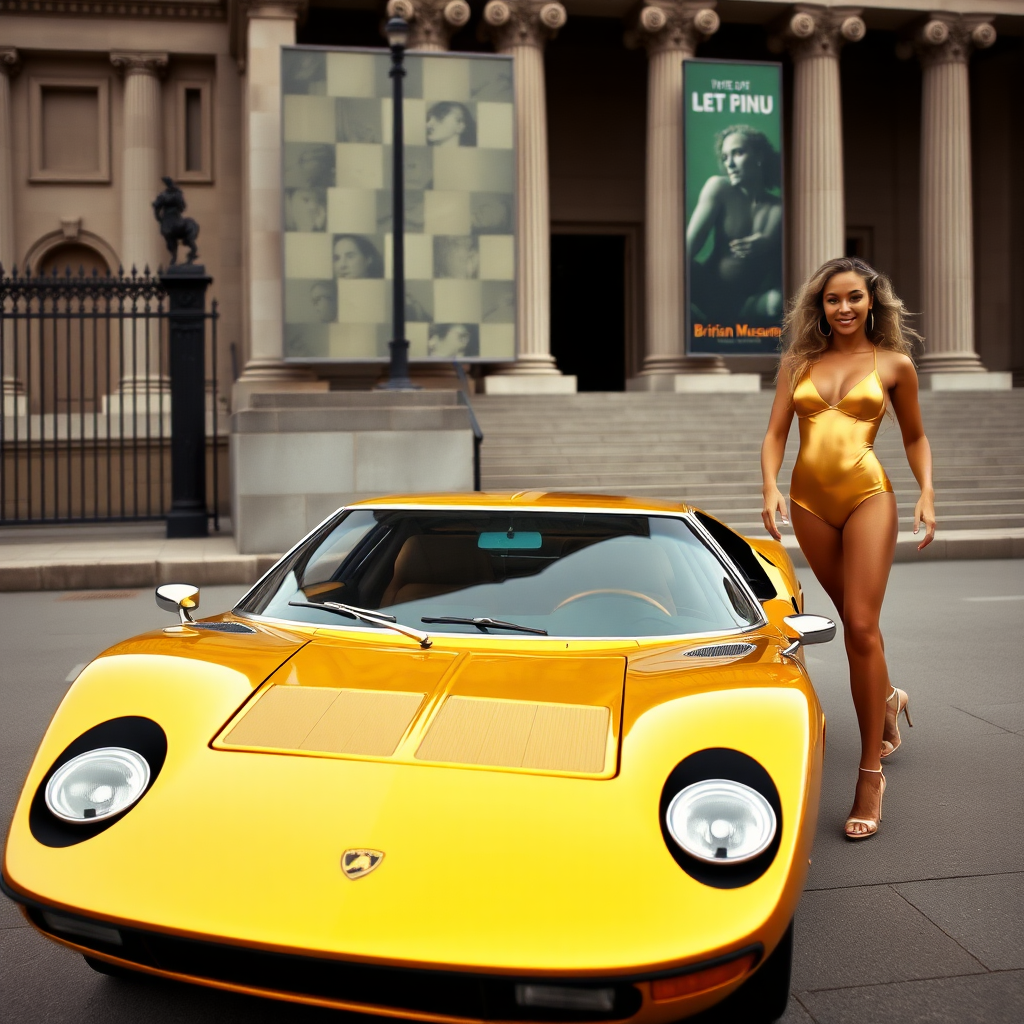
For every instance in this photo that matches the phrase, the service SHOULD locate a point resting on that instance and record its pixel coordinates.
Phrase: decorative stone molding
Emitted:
(139, 63)
(522, 22)
(673, 25)
(71, 228)
(194, 10)
(10, 61)
(432, 23)
(950, 39)
(816, 31)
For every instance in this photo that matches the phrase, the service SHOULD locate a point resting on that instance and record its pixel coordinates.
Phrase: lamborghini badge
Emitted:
(356, 863)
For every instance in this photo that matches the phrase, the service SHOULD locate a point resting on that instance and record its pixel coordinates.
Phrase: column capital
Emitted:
(673, 25)
(949, 38)
(812, 30)
(511, 23)
(286, 9)
(139, 62)
(431, 22)
(10, 61)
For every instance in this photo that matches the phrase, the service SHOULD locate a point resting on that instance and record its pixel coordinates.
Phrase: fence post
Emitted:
(186, 285)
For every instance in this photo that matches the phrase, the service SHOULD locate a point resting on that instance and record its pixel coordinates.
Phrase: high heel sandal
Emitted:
(872, 823)
(902, 705)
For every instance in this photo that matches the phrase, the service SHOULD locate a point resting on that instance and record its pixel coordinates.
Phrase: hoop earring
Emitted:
(824, 334)
(871, 321)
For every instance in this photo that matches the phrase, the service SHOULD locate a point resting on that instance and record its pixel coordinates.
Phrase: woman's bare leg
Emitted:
(822, 546)
(869, 543)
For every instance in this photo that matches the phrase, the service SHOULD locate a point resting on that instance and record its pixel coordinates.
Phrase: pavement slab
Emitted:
(843, 936)
(979, 999)
(983, 914)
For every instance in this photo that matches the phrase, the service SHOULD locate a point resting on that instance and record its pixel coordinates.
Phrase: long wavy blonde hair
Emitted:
(803, 341)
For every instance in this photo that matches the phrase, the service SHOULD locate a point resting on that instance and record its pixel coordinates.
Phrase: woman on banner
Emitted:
(741, 279)
(846, 362)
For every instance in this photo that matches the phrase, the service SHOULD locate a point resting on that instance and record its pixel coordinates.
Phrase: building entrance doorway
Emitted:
(589, 307)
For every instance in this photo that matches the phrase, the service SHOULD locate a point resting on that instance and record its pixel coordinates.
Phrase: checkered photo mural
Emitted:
(459, 205)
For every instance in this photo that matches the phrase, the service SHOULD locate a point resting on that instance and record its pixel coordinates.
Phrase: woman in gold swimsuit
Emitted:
(847, 358)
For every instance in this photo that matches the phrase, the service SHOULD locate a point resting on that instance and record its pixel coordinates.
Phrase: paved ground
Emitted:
(923, 923)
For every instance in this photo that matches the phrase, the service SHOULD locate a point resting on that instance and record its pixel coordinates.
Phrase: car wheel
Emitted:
(111, 970)
(763, 997)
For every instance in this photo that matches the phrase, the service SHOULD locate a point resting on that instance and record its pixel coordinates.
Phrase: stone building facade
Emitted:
(905, 144)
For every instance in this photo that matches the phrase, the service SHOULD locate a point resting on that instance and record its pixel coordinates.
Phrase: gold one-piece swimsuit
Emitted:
(837, 468)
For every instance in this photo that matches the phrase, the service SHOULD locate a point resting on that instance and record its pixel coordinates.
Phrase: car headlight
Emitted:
(719, 821)
(97, 785)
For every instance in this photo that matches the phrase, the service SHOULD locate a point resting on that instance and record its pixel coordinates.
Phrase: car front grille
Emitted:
(448, 993)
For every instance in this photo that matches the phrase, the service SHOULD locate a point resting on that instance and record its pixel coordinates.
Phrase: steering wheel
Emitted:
(610, 590)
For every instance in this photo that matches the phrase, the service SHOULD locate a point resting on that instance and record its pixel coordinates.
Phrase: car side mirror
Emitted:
(809, 629)
(181, 598)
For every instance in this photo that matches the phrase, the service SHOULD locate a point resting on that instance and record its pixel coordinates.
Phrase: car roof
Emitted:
(526, 500)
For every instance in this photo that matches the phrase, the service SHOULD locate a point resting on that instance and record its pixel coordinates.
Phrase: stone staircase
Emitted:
(704, 449)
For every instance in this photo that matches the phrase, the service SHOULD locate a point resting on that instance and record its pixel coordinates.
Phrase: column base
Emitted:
(672, 364)
(530, 384)
(530, 375)
(271, 375)
(970, 380)
(696, 383)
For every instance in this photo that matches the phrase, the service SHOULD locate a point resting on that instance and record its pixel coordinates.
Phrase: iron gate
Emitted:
(85, 434)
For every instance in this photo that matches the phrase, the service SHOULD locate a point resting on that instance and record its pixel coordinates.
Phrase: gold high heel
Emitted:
(872, 823)
(902, 705)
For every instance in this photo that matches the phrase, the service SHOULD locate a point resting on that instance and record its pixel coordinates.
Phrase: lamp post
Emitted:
(397, 31)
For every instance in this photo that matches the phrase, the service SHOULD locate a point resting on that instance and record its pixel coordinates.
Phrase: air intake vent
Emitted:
(720, 651)
(222, 627)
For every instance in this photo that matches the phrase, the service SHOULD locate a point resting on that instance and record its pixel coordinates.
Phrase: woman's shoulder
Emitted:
(715, 187)
(896, 367)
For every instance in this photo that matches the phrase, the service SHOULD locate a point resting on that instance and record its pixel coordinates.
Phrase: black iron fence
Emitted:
(86, 428)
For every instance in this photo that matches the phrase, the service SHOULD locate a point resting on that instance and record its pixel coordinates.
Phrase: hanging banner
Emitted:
(732, 119)
(460, 291)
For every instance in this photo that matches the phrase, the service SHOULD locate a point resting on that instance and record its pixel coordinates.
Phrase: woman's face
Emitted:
(349, 260)
(451, 345)
(307, 212)
(846, 301)
(321, 298)
(446, 130)
(737, 158)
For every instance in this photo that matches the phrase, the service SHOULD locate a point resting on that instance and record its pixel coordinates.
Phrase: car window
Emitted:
(569, 574)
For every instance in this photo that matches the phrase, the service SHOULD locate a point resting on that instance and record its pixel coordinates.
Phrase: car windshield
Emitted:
(579, 574)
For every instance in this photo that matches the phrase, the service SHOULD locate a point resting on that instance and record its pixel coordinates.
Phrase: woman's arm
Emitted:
(704, 215)
(773, 448)
(919, 452)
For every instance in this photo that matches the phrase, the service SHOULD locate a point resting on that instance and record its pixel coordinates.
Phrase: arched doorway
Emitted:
(73, 256)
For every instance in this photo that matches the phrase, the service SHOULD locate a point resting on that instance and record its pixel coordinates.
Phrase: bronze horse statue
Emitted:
(169, 209)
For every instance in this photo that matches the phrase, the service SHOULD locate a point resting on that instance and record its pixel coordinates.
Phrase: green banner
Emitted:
(732, 119)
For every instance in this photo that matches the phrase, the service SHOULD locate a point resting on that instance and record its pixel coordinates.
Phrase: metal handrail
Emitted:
(478, 434)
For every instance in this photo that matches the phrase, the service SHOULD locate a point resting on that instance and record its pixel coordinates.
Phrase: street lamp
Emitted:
(397, 31)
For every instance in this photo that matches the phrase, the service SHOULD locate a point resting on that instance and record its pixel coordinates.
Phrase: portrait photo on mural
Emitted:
(734, 206)
(459, 216)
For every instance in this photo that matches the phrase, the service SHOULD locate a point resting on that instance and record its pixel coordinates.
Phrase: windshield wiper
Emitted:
(482, 622)
(367, 615)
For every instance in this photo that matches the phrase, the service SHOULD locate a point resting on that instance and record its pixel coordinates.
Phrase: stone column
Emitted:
(814, 36)
(431, 22)
(268, 25)
(142, 158)
(521, 28)
(670, 30)
(944, 45)
(13, 389)
(144, 389)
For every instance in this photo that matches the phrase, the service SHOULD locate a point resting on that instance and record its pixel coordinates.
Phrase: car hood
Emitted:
(498, 866)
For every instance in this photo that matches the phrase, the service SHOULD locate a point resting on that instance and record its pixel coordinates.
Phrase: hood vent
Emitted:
(720, 651)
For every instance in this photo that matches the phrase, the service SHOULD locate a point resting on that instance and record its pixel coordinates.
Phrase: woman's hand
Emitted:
(924, 512)
(743, 247)
(774, 502)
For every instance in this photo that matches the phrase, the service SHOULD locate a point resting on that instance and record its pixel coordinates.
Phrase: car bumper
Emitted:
(424, 994)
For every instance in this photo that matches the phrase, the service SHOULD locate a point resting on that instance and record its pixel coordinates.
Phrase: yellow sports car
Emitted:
(532, 757)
